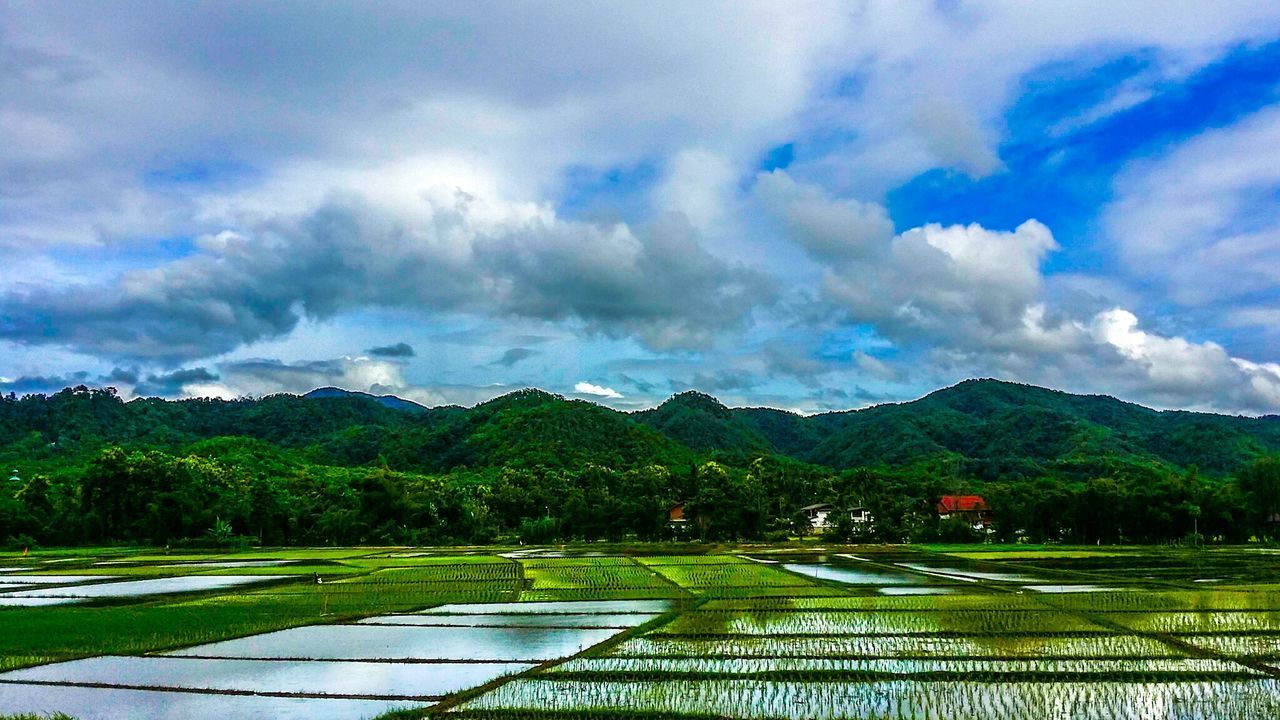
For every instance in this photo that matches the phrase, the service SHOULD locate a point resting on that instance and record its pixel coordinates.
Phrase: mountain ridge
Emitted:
(992, 427)
(981, 428)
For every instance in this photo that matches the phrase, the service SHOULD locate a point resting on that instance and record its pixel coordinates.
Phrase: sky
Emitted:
(807, 205)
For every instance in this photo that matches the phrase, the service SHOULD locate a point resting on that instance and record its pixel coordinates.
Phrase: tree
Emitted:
(1260, 483)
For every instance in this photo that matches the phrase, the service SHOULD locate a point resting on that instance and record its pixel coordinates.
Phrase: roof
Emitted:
(676, 512)
(819, 506)
(961, 503)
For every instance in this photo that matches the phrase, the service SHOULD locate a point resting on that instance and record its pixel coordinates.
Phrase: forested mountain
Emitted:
(337, 466)
(391, 401)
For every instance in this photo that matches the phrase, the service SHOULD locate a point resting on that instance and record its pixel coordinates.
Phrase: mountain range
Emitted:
(982, 428)
(992, 427)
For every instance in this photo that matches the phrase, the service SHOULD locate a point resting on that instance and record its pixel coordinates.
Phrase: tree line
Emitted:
(90, 468)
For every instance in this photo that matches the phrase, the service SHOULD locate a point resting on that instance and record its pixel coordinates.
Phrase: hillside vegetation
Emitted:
(339, 467)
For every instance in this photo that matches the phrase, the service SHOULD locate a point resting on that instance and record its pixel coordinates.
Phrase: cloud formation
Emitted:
(176, 383)
(514, 355)
(586, 388)
(1202, 225)
(174, 202)
(975, 299)
(655, 283)
(42, 383)
(398, 350)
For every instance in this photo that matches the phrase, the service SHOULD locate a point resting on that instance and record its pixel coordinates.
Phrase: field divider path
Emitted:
(1102, 577)
(844, 588)
(328, 619)
(895, 568)
(224, 691)
(457, 699)
(321, 620)
(1074, 576)
(1102, 621)
(522, 583)
(1167, 639)
(684, 592)
(158, 602)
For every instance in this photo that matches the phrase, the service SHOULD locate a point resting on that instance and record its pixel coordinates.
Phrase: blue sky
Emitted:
(833, 206)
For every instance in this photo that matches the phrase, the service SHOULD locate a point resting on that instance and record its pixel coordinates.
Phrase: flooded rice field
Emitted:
(133, 588)
(922, 700)
(387, 681)
(865, 633)
(564, 620)
(386, 642)
(113, 703)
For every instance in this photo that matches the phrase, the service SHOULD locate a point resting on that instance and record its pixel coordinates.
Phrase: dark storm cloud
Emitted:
(170, 384)
(723, 381)
(307, 374)
(656, 284)
(121, 375)
(398, 350)
(43, 383)
(513, 356)
(643, 386)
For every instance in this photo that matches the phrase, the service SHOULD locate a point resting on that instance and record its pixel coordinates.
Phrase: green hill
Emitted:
(998, 426)
(700, 422)
(340, 467)
(990, 428)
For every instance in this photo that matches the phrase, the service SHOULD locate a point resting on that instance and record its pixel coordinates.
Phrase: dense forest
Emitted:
(335, 467)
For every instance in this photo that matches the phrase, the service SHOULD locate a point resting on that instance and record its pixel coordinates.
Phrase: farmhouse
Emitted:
(822, 516)
(970, 507)
(677, 521)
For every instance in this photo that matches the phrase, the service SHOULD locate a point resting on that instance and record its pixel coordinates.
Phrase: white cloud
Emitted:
(975, 301)
(957, 282)
(876, 367)
(454, 127)
(700, 184)
(952, 135)
(1170, 363)
(932, 81)
(1201, 220)
(1176, 372)
(825, 226)
(256, 378)
(586, 388)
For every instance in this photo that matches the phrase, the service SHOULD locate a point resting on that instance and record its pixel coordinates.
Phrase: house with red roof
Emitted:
(970, 507)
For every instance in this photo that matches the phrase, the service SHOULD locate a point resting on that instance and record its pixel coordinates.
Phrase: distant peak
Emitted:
(524, 396)
(390, 401)
(697, 401)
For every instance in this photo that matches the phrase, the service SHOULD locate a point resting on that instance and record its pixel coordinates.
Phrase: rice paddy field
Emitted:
(923, 633)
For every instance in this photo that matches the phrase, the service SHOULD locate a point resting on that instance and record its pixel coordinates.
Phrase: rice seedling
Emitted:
(1211, 621)
(979, 623)
(1256, 647)
(1038, 669)
(934, 700)
(593, 579)
(692, 560)
(721, 579)
(899, 646)
(874, 603)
